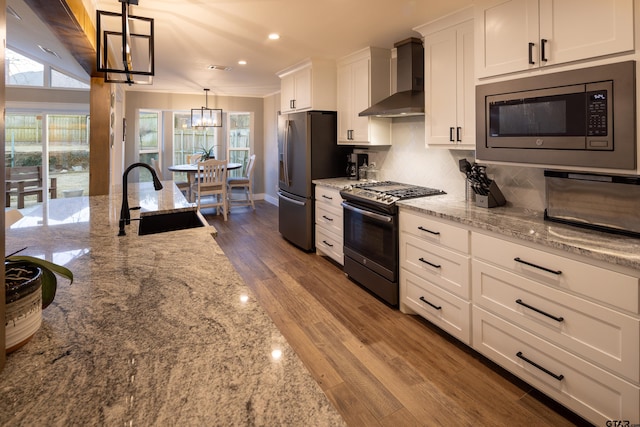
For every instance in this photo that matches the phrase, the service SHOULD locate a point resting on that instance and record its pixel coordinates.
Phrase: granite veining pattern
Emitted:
(155, 330)
(522, 224)
(530, 226)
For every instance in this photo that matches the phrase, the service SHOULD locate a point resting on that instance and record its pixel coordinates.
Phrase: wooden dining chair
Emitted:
(212, 181)
(244, 182)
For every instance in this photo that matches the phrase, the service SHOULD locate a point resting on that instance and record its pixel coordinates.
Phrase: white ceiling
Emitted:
(193, 34)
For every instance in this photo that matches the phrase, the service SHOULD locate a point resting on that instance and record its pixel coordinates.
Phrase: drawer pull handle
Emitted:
(530, 264)
(327, 218)
(327, 243)
(327, 197)
(429, 263)
(437, 233)
(537, 310)
(437, 307)
(545, 370)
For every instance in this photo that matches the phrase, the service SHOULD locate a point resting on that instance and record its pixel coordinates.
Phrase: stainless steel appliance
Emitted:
(307, 150)
(607, 203)
(583, 118)
(371, 234)
(409, 98)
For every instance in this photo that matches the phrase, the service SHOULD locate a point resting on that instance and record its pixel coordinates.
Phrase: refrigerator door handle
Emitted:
(287, 127)
(289, 199)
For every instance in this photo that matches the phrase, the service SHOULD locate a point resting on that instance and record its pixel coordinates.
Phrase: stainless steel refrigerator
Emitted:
(308, 150)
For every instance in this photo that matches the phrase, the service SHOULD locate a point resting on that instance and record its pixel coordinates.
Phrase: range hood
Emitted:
(409, 99)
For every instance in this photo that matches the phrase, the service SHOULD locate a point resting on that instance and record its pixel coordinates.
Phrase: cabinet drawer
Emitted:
(329, 244)
(596, 283)
(590, 391)
(444, 310)
(435, 231)
(328, 195)
(604, 336)
(329, 217)
(440, 266)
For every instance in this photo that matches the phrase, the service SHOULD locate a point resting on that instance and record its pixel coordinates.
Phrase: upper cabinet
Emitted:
(449, 81)
(309, 85)
(517, 35)
(363, 79)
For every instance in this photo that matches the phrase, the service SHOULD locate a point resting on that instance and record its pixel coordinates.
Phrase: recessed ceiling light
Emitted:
(242, 62)
(49, 51)
(274, 36)
(13, 13)
(219, 67)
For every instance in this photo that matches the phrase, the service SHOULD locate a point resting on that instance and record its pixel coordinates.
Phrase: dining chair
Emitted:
(192, 159)
(212, 180)
(183, 186)
(246, 183)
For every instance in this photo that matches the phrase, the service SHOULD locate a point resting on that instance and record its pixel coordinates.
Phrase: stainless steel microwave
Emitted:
(581, 118)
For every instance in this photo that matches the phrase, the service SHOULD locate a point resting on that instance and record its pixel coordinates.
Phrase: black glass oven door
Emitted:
(371, 238)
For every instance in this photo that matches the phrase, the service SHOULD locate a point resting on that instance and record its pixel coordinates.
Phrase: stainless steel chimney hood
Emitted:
(409, 99)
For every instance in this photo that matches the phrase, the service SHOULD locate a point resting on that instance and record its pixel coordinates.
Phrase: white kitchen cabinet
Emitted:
(363, 79)
(566, 326)
(329, 223)
(449, 82)
(592, 392)
(435, 272)
(517, 35)
(309, 85)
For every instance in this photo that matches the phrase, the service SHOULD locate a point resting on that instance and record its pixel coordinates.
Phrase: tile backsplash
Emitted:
(408, 160)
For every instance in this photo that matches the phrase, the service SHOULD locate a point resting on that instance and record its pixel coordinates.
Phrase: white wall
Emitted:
(270, 149)
(408, 160)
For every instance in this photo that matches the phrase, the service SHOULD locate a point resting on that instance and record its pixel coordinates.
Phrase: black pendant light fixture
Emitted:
(205, 117)
(125, 46)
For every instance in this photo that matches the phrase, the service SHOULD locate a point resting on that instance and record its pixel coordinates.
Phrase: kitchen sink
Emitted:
(160, 223)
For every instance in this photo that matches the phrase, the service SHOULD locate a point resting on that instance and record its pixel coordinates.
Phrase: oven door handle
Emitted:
(378, 217)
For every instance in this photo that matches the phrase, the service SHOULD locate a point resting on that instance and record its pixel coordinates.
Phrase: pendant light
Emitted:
(125, 46)
(205, 117)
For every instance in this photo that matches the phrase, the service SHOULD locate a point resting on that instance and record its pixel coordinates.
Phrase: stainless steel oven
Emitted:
(371, 249)
(371, 234)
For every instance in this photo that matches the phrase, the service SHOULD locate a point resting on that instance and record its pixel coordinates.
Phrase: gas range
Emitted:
(384, 194)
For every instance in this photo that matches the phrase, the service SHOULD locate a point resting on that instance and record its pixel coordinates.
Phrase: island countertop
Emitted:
(155, 330)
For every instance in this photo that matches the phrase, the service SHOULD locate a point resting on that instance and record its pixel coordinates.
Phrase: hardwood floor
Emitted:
(378, 367)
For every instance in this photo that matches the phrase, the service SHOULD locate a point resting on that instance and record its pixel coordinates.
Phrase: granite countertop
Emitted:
(522, 224)
(155, 330)
(530, 226)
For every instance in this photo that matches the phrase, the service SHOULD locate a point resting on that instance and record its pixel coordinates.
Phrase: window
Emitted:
(22, 71)
(149, 138)
(61, 139)
(188, 140)
(239, 149)
(60, 80)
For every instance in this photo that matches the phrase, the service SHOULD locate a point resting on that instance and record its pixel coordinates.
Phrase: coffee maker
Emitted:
(355, 161)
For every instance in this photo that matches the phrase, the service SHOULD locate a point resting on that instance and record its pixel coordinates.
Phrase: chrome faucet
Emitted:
(125, 216)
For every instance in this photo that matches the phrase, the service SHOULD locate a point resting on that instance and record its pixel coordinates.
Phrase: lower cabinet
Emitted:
(329, 223)
(434, 273)
(564, 325)
(594, 393)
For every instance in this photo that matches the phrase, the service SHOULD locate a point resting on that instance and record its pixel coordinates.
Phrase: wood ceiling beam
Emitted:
(71, 24)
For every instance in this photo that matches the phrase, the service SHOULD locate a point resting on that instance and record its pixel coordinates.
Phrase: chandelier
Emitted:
(125, 46)
(205, 117)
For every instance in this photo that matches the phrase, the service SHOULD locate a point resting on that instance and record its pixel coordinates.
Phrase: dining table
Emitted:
(192, 168)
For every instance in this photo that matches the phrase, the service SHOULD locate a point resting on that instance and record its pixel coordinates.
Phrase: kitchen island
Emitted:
(155, 330)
